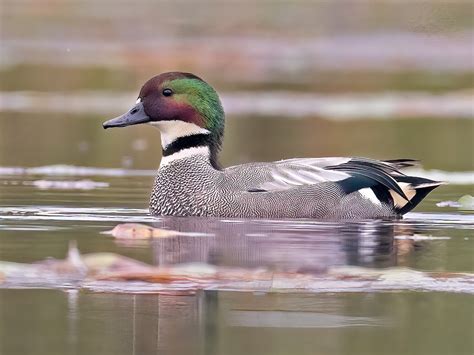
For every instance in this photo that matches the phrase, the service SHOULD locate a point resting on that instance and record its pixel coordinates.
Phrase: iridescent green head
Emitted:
(171, 99)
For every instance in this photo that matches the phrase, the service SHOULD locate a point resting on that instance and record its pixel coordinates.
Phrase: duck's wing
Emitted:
(286, 174)
(383, 178)
(395, 164)
(360, 173)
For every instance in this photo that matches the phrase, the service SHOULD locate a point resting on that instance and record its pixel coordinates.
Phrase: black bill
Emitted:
(136, 115)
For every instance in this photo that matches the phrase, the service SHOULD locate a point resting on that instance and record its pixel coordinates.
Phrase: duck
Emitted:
(190, 181)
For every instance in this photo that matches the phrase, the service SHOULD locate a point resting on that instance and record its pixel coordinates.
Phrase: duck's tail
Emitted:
(415, 189)
(389, 185)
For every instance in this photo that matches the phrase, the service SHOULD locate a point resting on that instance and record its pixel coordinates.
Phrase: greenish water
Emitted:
(224, 323)
(63, 178)
(46, 139)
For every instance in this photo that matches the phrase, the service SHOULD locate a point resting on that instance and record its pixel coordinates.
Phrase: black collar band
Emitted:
(192, 141)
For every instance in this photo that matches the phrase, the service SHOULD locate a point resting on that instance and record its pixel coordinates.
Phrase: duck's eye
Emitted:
(167, 92)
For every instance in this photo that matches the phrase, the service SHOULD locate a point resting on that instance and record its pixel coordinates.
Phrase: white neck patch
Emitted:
(184, 153)
(172, 130)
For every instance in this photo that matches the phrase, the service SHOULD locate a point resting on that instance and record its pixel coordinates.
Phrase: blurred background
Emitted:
(384, 79)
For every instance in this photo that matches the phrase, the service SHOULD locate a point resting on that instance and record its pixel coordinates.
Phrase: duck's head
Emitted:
(185, 109)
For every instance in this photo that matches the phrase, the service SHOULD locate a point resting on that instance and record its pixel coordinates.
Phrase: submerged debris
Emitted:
(110, 272)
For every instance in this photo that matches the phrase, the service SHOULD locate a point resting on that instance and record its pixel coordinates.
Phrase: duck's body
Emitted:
(190, 182)
(193, 187)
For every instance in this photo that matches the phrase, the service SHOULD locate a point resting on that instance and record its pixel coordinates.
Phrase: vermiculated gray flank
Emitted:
(190, 182)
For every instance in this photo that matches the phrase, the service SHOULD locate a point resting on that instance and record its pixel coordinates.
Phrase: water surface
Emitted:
(37, 220)
(62, 179)
(379, 79)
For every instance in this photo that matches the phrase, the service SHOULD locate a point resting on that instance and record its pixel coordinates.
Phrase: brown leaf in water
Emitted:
(139, 231)
(196, 274)
(156, 276)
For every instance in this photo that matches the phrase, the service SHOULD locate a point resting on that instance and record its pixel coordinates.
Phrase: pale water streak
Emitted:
(451, 177)
(346, 106)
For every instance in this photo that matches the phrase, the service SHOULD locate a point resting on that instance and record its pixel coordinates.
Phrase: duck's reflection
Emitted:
(217, 322)
(302, 246)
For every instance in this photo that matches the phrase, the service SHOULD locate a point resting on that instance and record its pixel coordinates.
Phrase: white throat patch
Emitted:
(172, 130)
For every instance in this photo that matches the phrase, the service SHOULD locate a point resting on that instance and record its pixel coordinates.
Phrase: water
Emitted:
(220, 322)
(43, 207)
(297, 80)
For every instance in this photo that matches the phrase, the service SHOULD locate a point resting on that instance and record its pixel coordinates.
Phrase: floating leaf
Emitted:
(139, 231)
